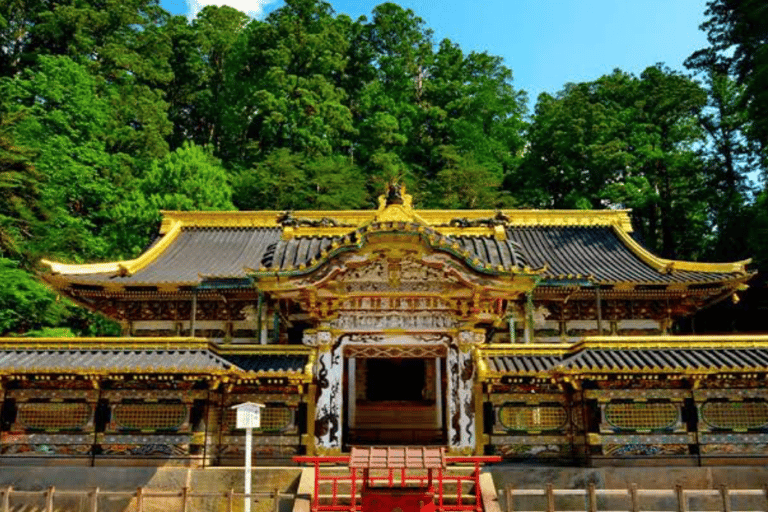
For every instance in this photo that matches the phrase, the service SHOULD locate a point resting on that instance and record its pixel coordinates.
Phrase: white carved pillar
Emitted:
(439, 391)
(461, 398)
(328, 376)
(352, 395)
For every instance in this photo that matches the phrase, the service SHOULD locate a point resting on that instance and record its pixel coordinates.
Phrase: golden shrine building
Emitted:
(540, 336)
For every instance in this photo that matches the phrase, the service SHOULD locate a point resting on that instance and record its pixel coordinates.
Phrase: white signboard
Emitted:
(248, 415)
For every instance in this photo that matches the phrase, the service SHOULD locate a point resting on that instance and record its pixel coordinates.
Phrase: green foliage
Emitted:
(19, 190)
(282, 85)
(25, 304)
(288, 181)
(623, 141)
(65, 118)
(733, 157)
(467, 183)
(190, 178)
(737, 31)
(187, 179)
(197, 92)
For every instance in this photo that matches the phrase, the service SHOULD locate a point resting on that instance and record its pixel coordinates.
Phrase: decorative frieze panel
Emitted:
(149, 395)
(606, 395)
(641, 416)
(17, 444)
(534, 448)
(231, 451)
(143, 416)
(408, 274)
(644, 450)
(54, 416)
(52, 395)
(512, 417)
(412, 321)
(393, 339)
(393, 351)
(144, 446)
(289, 399)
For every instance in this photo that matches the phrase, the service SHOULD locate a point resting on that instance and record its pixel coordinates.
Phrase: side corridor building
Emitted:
(536, 335)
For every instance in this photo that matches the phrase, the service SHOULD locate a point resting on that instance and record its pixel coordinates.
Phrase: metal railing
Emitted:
(140, 500)
(634, 499)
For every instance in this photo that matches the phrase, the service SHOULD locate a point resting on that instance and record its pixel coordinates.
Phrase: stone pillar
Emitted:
(328, 373)
(461, 396)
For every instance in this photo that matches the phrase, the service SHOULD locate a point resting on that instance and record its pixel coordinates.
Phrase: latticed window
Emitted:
(49, 415)
(520, 417)
(161, 416)
(642, 415)
(735, 415)
(273, 418)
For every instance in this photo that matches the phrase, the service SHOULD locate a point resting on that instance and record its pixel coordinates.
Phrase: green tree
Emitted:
(120, 41)
(25, 303)
(737, 31)
(197, 93)
(66, 118)
(188, 179)
(289, 181)
(577, 142)
(19, 190)
(623, 141)
(282, 85)
(730, 157)
(467, 183)
(390, 107)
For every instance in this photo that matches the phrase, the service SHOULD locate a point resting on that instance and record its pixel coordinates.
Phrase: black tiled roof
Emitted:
(632, 359)
(668, 359)
(268, 362)
(594, 253)
(522, 364)
(145, 360)
(139, 360)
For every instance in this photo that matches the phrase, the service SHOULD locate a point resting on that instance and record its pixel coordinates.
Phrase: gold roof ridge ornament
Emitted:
(397, 206)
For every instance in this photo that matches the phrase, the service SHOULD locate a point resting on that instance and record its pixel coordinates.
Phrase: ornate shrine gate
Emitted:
(399, 389)
(395, 310)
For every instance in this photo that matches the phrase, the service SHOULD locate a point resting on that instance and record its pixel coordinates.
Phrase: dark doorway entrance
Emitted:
(395, 379)
(397, 401)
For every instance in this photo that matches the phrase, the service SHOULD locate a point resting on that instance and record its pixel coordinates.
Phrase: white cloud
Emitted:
(253, 8)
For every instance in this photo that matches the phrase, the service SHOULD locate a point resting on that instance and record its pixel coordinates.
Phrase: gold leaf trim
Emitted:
(127, 267)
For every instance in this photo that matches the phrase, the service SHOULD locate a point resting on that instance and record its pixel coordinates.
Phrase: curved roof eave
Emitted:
(450, 225)
(125, 267)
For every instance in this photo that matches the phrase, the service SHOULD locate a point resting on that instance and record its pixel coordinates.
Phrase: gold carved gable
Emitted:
(406, 274)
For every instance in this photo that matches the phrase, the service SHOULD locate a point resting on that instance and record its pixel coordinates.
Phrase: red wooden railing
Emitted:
(441, 477)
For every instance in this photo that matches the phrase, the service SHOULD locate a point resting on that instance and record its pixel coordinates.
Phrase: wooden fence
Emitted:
(140, 500)
(547, 499)
(633, 499)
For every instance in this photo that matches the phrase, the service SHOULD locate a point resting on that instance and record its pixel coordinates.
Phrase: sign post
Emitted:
(248, 417)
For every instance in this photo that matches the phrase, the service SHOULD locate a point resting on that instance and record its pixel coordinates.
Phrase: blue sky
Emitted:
(546, 43)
